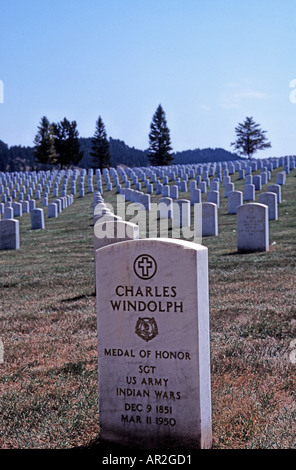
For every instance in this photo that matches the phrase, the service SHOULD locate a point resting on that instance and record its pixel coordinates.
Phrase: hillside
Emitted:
(49, 375)
(20, 158)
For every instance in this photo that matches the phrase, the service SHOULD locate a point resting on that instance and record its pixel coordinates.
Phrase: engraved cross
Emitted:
(145, 264)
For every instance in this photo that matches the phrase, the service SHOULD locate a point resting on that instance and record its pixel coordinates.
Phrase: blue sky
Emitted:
(209, 63)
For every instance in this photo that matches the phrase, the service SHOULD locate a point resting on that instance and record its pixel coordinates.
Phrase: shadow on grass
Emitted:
(78, 297)
(245, 252)
(105, 445)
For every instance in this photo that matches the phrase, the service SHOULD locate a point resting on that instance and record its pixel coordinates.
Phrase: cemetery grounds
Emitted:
(48, 381)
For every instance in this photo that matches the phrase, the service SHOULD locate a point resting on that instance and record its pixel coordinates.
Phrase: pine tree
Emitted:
(159, 152)
(67, 143)
(44, 146)
(250, 138)
(101, 157)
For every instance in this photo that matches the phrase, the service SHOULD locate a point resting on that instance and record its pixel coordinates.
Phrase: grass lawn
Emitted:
(48, 381)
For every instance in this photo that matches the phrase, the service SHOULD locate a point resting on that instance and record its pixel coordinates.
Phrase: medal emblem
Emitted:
(146, 328)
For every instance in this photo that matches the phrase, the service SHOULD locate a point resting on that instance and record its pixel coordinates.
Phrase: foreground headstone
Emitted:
(9, 234)
(153, 344)
(252, 228)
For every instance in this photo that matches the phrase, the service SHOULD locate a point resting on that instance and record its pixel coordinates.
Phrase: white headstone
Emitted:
(8, 213)
(213, 196)
(276, 188)
(252, 228)
(25, 207)
(52, 210)
(264, 177)
(37, 219)
(174, 192)
(32, 205)
(249, 192)
(270, 200)
(17, 209)
(281, 177)
(257, 182)
(202, 186)
(214, 186)
(9, 234)
(235, 199)
(165, 208)
(181, 213)
(58, 202)
(195, 196)
(109, 230)
(209, 219)
(165, 190)
(228, 188)
(153, 344)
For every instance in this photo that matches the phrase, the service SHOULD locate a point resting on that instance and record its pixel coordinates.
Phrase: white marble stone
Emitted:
(276, 188)
(249, 192)
(257, 182)
(181, 213)
(174, 192)
(153, 344)
(281, 178)
(17, 209)
(8, 213)
(252, 228)
(165, 208)
(52, 210)
(112, 230)
(270, 200)
(228, 188)
(9, 234)
(195, 196)
(235, 199)
(37, 219)
(213, 196)
(209, 219)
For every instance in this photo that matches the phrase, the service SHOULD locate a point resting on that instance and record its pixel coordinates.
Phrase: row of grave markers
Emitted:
(28, 182)
(153, 321)
(20, 191)
(208, 214)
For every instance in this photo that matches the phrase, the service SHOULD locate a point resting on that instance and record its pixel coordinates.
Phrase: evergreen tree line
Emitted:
(59, 145)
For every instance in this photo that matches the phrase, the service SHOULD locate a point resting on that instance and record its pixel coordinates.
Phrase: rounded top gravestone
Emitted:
(252, 228)
(153, 334)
